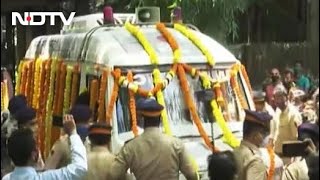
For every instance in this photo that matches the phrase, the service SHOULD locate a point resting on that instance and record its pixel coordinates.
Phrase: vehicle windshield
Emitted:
(179, 116)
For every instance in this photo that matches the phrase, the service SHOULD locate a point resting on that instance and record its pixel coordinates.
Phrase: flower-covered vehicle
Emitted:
(203, 87)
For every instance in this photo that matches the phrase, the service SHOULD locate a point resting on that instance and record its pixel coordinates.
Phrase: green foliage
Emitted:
(215, 17)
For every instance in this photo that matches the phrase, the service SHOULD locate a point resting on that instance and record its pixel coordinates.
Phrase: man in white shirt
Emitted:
(24, 154)
(287, 120)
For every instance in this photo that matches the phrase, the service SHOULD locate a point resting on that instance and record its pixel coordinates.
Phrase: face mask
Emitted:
(83, 132)
(275, 78)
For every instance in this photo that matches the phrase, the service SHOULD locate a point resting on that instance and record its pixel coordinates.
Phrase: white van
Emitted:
(114, 47)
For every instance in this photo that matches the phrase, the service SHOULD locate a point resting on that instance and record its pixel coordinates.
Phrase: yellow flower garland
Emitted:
(36, 87)
(137, 33)
(66, 100)
(24, 76)
(229, 138)
(235, 85)
(18, 77)
(227, 134)
(196, 41)
(49, 106)
(4, 95)
(29, 86)
(45, 71)
(160, 99)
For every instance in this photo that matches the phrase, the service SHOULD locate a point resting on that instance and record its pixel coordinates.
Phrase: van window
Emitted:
(178, 113)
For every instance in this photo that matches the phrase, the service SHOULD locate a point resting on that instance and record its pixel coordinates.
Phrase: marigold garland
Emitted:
(61, 89)
(216, 112)
(218, 93)
(41, 97)
(137, 33)
(224, 105)
(132, 106)
(160, 99)
(272, 163)
(116, 74)
(43, 105)
(31, 82)
(123, 82)
(192, 107)
(196, 41)
(41, 102)
(67, 92)
(56, 87)
(18, 77)
(75, 84)
(229, 138)
(24, 78)
(235, 86)
(36, 86)
(171, 41)
(49, 106)
(4, 95)
(246, 77)
(102, 95)
(94, 87)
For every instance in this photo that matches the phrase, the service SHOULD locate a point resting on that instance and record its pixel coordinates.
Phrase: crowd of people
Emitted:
(287, 110)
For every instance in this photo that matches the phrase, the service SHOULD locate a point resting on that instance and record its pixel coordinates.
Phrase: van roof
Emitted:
(115, 46)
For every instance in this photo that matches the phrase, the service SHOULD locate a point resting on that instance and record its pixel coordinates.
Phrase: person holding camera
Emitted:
(303, 167)
(23, 151)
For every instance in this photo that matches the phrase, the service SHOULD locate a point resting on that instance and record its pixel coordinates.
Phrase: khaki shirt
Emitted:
(60, 155)
(298, 170)
(249, 162)
(99, 163)
(154, 156)
(287, 123)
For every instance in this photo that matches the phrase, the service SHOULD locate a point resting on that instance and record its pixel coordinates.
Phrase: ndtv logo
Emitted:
(29, 18)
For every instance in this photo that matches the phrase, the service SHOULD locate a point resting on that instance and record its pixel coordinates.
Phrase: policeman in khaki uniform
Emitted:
(299, 168)
(259, 98)
(100, 158)
(256, 129)
(153, 155)
(60, 153)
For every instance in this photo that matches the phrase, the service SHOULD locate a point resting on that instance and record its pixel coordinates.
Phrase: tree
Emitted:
(215, 17)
